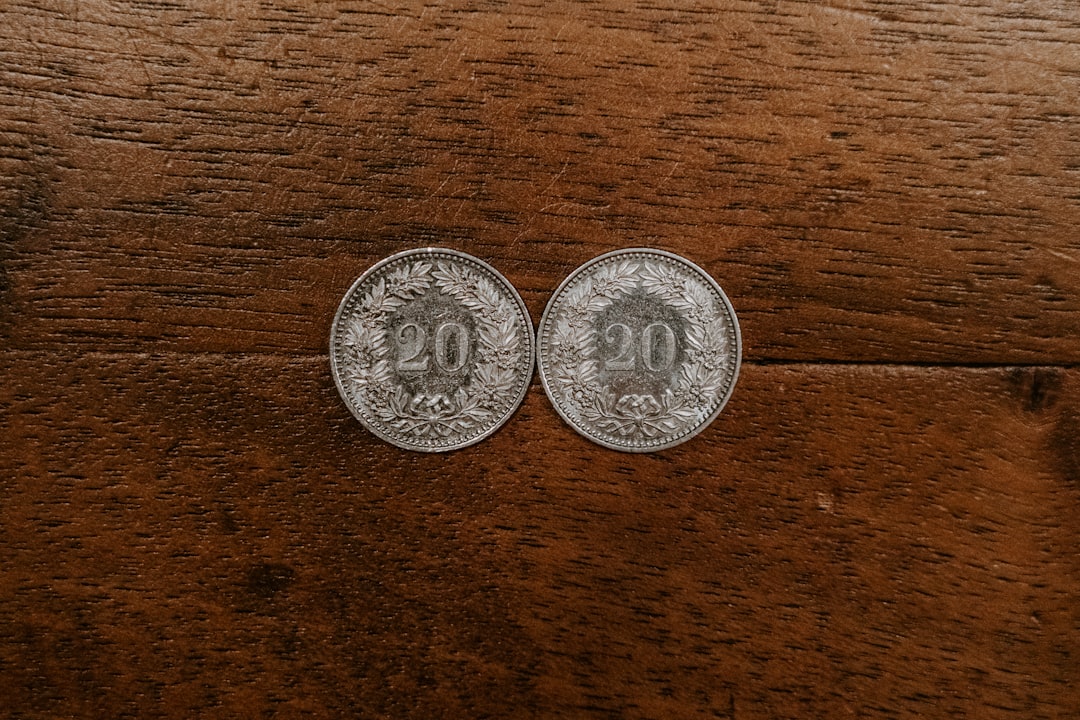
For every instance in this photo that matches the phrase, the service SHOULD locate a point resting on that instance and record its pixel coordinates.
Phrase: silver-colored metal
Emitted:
(432, 349)
(639, 349)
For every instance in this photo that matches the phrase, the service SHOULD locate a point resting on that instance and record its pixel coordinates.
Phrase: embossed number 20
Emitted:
(451, 347)
(657, 347)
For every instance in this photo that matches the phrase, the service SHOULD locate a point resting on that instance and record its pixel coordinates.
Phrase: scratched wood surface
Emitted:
(883, 523)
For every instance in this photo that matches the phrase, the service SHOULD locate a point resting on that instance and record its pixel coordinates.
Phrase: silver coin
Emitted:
(432, 349)
(639, 350)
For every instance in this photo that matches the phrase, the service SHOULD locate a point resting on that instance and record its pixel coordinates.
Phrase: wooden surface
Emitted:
(883, 523)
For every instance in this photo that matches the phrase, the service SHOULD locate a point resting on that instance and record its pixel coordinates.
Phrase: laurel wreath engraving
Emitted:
(575, 369)
(433, 417)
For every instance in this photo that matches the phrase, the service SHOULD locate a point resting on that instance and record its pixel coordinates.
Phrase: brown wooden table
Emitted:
(885, 522)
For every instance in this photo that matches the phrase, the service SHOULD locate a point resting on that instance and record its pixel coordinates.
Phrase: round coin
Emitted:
(432, 349)
(639, 350)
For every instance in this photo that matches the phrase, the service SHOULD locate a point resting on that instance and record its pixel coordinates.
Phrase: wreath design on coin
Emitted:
(639, 417)
(434, 416)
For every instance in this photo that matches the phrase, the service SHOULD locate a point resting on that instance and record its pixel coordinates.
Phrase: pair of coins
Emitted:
(433, 350)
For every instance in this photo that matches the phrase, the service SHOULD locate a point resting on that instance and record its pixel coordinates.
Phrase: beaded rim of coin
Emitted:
(360, 354)
(639, 422)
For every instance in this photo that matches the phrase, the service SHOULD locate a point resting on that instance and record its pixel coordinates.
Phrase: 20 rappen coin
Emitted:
(432, 349)
(639, 349)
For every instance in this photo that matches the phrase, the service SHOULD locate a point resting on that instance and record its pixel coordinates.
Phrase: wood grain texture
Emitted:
(878, 181)
(881, 524)
(182, 538)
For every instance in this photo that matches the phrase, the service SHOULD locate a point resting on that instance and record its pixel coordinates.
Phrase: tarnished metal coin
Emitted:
(639, 349)
(432, 349)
